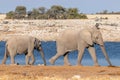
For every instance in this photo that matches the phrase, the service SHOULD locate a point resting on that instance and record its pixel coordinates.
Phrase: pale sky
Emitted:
(84, 6)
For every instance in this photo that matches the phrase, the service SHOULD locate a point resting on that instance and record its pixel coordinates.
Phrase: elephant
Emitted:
(70, 40)
(22, 44)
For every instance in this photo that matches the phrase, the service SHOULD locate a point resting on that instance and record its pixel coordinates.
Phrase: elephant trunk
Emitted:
(105, 54)
(42, 55)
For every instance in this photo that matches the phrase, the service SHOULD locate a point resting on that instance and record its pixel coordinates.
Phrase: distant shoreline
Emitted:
(48, 30)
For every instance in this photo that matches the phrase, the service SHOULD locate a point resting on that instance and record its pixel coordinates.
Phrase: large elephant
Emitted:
(22, 44)
(70, 40)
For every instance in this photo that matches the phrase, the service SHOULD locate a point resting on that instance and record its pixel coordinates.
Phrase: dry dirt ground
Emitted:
(10, 72)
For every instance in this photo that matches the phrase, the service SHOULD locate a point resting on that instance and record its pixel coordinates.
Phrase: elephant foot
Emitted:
(67, 64)
(51, 61)
(111, 66)
(13, 64)
(3, 62)
(41, 65)
(44, 64)
(30, 64)
(18, 64)
(79, 65)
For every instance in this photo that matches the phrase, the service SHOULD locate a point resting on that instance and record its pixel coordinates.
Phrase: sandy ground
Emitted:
(13, 72)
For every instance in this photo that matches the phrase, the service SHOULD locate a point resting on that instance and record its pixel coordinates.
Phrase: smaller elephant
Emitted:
(22, 44)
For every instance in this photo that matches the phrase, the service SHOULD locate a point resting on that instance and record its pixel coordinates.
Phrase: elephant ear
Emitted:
(87, 37)
(36, 42)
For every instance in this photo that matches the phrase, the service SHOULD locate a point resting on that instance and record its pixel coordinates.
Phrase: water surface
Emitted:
(112, 48)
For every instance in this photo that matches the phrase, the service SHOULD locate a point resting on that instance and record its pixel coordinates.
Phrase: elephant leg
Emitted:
(42, 55)
(5, 58)
(106, 55)
(60, 52)
(12, 59)
(54, 58)
(93, 55)
(66, 61)
(12, 56)
(33, 59)
(80, 55)
(27, 59)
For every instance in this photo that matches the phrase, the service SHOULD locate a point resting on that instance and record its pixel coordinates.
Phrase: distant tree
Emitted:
(56, 12)
(82, 16)
(10, 15)
(112, 12)
(42, 10)
(35, 13)
(29, 14)
(105, 12)
(42, 13)
(42, 16)
(20, 12)
(73, 13)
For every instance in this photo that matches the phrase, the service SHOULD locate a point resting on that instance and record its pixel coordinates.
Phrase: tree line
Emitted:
(55, 12)
(107, 12)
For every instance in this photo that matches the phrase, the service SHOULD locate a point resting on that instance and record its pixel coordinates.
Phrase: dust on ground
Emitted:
(8, 72)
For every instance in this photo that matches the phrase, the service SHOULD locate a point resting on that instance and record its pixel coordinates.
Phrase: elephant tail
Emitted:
(6, 51)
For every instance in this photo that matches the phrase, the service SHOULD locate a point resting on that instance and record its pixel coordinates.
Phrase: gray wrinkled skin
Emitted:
(22, 45)
(70, 40)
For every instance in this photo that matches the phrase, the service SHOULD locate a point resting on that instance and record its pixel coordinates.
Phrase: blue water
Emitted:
(112, 48)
